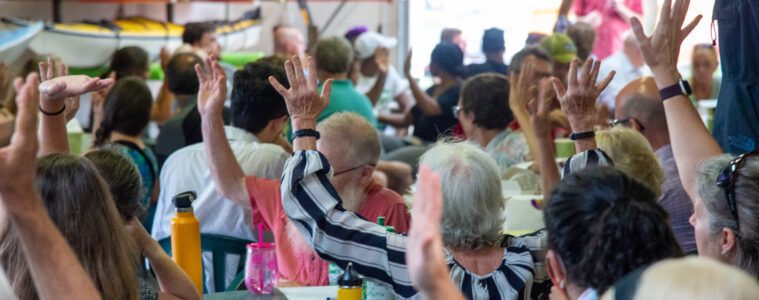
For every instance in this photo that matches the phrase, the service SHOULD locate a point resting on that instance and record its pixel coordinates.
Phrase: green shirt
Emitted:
(344, 97)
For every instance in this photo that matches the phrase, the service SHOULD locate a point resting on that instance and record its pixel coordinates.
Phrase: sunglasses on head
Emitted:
(726, 181)
(625, 122)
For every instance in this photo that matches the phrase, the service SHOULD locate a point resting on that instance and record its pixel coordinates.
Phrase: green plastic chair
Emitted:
(220, 246)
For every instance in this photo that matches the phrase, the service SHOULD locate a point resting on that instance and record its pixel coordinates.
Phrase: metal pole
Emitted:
(57, 11)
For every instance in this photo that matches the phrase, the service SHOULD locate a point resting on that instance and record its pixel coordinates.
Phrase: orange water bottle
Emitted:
(185, 238)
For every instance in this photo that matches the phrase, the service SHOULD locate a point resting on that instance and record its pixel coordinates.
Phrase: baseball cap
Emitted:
(560, 47)
(367, 42)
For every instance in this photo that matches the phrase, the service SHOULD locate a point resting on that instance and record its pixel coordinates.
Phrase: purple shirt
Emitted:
(675, 200)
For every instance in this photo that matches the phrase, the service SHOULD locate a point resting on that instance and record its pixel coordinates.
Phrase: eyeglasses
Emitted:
(626, 123)
(704, 45)
(456, 110)
(726, 181)
(353, 169)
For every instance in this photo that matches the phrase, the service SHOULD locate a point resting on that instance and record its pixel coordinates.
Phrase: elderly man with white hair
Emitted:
(484, 263)
(350, 142)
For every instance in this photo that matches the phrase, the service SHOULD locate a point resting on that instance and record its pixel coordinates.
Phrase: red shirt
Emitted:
(382, 202)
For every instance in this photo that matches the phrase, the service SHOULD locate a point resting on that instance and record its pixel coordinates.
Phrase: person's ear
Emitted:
(636, 125)
(555, 270)
(727, 241)
(367, 173)
(280, 123)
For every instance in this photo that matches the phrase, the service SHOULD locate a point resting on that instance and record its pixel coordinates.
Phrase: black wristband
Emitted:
(55, 113)
(306, 133)
(582, 135)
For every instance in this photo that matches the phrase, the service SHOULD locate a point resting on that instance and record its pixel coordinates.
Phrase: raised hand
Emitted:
(521, 91)
(578, 99)
(661, 50)
(57, 85)
(407, 64)
(17, 160)
(304, 103)
(213, 88)
(97, 98)
(424, 252)
(541, 107)
(381, 58)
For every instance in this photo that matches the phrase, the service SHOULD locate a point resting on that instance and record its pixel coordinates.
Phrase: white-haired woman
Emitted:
(484, 263)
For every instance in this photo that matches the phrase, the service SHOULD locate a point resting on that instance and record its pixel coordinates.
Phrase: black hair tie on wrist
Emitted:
(306, 133)
(53, 114)
(582, 135)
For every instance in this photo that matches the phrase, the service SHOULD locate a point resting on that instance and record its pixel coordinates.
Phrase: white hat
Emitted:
(368, 41)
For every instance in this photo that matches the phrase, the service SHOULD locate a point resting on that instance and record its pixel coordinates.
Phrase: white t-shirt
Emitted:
(394, 86)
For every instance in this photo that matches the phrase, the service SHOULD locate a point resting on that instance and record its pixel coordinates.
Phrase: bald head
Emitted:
(348, 140)
(647, 110)
(288, 41)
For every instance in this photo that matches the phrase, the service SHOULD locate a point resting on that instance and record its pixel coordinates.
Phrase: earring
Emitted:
(724, 253)
(562, 284)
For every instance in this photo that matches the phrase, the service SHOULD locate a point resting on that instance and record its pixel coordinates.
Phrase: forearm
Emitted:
(225, 170)
(426, 104)
(549, 172)
(627, 13)
(171, 278)
(566, 5)
(376, 91)
(691, 141)
(57, 274)
(162, 107)
(398, 120)
(53, 137)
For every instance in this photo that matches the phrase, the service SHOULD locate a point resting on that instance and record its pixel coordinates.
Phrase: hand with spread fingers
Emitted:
(578, 99)
(19, 158)
(522, 86)
(57, 91)
(661, 50)
(213, 88)
(540, 108)
(424, 252)
(304, 102)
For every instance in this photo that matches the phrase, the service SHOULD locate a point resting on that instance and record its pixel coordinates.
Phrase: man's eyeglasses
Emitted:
(726, 181)
(456, 110)
(353, 169)
(626, 122)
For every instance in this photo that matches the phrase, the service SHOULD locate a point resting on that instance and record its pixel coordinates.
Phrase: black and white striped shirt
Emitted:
(340, 236)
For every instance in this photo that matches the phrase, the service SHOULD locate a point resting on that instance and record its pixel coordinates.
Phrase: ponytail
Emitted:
(103, 133)
(627, 235)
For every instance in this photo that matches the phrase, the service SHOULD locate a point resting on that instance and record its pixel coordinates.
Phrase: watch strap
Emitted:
(680, 88)
(582, 135)
(306, 133)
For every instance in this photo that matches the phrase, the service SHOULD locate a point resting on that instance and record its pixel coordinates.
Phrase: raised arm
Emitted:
(426, 104)
(312, 204)
(540, 119)
(164, 101)
(380, 57)
(173, 281)
(426, 262)
(578, 100)
(55, 100)
(521, 91)
(691, 141)
(225, 170)
(57, 274)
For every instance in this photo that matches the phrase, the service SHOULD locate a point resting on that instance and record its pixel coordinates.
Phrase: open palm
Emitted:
(213, 88)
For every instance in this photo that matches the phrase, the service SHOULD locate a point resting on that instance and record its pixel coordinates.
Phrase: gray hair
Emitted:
(746, 195)
(473, 204)
(353, 133)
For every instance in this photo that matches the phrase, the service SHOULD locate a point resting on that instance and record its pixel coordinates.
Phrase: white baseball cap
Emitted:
(368, 41)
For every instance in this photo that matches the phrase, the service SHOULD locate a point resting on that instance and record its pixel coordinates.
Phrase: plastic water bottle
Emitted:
(349, 285)
(374, 291)
(185, 238)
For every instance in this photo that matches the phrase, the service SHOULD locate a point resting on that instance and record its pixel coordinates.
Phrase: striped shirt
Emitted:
(341, 236)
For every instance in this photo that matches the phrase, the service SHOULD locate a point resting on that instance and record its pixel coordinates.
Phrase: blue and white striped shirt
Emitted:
(340, 236)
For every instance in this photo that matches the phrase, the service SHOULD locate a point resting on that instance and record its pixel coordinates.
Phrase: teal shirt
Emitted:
(344, 97)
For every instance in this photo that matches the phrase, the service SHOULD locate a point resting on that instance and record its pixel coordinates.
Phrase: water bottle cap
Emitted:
(184, 200)
(349, 278)
(381, 221)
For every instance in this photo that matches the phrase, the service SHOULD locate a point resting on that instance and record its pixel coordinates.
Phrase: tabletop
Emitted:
(293, 293)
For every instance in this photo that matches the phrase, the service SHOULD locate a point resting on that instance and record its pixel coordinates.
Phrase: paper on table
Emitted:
(310, 293)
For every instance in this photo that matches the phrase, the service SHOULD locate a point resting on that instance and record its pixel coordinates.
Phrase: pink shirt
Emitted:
(609, 38)
(295, 259)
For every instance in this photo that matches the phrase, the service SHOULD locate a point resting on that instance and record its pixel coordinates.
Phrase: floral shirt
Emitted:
(508, 148)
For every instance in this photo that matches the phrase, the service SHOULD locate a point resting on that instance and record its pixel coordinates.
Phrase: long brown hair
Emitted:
(78, 202)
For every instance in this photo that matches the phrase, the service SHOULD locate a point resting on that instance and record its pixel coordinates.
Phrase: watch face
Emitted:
(686, 87)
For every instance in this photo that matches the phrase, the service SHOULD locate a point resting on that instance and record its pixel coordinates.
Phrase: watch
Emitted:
(582, 135)
(680, 88)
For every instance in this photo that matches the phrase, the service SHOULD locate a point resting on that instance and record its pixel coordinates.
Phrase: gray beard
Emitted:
(352, 197)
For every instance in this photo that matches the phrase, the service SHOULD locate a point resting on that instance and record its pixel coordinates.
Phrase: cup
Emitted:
(564, 147)
(261, 275)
